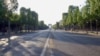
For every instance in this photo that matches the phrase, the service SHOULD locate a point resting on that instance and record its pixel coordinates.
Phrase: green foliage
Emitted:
(42, 25)
(64, 18)
(94, 7)
(15, 18)
(3, 11)
(72, 17)
(6, 12)
(28, 18)
(89, 14)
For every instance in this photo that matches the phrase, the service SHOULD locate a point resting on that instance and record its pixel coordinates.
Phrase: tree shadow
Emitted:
(31, 50)
(18, 49)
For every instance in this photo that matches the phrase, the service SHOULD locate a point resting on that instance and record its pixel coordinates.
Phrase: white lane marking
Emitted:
(14, 37)
(44, 49)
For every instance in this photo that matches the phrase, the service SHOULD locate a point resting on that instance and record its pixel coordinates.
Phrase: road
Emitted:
(54, 43)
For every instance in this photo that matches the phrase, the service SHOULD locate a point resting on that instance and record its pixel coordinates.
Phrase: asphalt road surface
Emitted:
(54, 43)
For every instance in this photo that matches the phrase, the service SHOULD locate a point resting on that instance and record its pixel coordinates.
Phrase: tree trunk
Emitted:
(91, 25)
(9, 33)
(96, 27)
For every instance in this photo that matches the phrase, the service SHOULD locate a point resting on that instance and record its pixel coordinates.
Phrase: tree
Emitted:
(72, 16)
(85, 14)
(94, 7)
(3, 19)
(88, 17)
(42, 25)
(28, 19)
(58, 25)
(94, 11)
(35, 17)
(80, 20)
(64, 19)
(15, 24)
(11, 6)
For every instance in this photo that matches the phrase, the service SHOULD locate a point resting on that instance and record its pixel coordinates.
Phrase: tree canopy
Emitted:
(87, 15)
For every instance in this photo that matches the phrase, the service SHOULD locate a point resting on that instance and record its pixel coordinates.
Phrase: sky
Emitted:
(50, 11)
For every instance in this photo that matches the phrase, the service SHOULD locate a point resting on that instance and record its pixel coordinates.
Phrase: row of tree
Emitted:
(11, 21)
(6, 13)
(42, 25)
(28, 19)
(88, 17)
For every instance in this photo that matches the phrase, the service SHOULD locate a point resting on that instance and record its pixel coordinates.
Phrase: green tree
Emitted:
(64, 19)
(94, 11)
(28, 19)
(23, 17)
(3, 19)
(87, 18)
(85, 15)
(72, 16)
(42, 25)
(10, 8)
(35, 18)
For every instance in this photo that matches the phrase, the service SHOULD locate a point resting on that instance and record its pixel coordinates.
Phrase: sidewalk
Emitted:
(84, 32)
(4, 38)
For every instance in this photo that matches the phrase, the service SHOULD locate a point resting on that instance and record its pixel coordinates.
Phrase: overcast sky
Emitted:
(50, 11)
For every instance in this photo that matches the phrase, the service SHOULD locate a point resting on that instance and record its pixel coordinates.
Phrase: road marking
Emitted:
(44, 49)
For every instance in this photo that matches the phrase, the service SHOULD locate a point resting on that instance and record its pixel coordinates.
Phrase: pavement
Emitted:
(53, 43)
(4, 38)
(94, 33)
(24, 45)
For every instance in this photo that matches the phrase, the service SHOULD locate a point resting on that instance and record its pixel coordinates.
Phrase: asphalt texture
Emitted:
(71, 44)
(60, 43)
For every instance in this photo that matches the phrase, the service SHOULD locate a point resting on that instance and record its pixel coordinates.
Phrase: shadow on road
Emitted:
(32, 50)
(18, 49)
